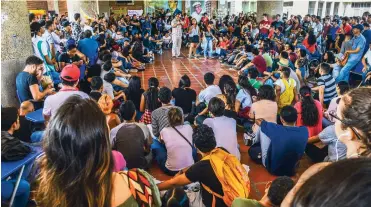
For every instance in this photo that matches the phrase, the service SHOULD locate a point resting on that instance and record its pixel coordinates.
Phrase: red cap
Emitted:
(70, 73)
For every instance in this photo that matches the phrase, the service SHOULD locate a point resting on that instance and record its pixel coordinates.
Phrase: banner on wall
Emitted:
(137, 12)
(197, 9)
(170, 6)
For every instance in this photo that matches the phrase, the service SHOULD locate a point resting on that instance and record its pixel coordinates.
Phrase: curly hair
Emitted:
(204, 138)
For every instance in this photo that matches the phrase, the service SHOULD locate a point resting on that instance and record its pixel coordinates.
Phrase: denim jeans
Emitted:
(326, 123)
(208, 46)
(22, 194)
(336, 71)
(160, 154)
(345, 71)
(264, 141)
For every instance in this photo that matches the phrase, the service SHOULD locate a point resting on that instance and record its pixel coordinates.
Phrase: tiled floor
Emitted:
(169, 71)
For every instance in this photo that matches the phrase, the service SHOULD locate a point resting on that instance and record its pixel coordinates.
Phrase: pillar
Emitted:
(104, 7)
(87, 9)
(16, 46)
(268, 7)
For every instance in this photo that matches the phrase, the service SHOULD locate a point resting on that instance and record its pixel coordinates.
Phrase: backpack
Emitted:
(231, 174)
(12, 149)
(288, 95)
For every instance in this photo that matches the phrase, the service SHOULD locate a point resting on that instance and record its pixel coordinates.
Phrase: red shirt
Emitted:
(310, 48)
(259, 63)
(264, 30)
(313, 130)
(347, 29)
(223, 44)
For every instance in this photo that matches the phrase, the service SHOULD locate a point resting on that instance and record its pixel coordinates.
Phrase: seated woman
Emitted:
(177, 152)
(245, 96)
(149, 101)
(232, 105)
(86, 158)
(310, 43)
(140, 54)
(309, 112)
(134, 93)
(106, 104)
(184, 96)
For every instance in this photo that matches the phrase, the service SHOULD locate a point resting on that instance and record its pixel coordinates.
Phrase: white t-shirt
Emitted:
(57, 41)
(166, 39)
(225, 133)
(107, 87)
(48, 39)
(244, 97)
(179, 152)
(280, 83)
(44, 49)
(368, 57)
(209, 93)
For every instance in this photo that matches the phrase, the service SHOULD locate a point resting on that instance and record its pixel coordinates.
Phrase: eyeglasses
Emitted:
(343, 122)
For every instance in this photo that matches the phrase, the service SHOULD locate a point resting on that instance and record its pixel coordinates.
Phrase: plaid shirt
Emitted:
(76, 31)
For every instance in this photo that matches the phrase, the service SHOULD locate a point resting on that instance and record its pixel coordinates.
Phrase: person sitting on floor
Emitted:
(70, 78)
(341, 88)
(326, 85)
(184, 95)
(149, 101)
(204, 139)
(25, 132)
(132, 139)
(309, 112)
(281, 147)
(285, 89)
(160, 118)
(275, 192)
(96, 86)
(106, 104)
(176, 153)
(224, 128)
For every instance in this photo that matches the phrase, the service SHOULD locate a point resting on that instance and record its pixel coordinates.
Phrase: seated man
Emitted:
(108, 88)
(132, 139)
(210, 91)
(202, 171)
(96, 86)
(27, 82)
(70, 57)
(326, 85)
(281, 146)
(258, 62)
(274, 194)
(70, 79)
(224, 128)
(160, 118)
(285, 88)
(25, 130)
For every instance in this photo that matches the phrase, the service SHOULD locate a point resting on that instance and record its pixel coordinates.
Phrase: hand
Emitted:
(49, 91)
(258, 121)
(364, 69)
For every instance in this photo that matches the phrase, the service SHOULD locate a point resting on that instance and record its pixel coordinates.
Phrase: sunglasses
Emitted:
(343, 122)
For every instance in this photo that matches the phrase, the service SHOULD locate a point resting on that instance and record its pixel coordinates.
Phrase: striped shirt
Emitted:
(330, 87)
(160, 119)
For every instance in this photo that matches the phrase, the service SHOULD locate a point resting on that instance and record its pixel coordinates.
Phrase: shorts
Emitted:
(195, 39)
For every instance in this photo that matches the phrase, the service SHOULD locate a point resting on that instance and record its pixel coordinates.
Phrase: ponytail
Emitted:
(309, 110)
(230, 93)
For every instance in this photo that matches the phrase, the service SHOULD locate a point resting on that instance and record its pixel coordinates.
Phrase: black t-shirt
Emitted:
(126, 51)
(95, 95)
(184, 98)
(237, 31)
(23, 82)
(134, 97)
(277, 24)
(203, 172)
(25, 130)
(94, 70)
(134, 26)
(65, 58)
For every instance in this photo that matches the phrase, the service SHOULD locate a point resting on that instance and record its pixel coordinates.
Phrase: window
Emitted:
(312, 5)
(361, 5)
(328, 8)
(320, 8)
(288, 3)
(336, 8)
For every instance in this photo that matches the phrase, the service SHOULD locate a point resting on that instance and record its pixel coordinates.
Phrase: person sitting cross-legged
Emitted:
(204, 173)
(274, 194)
(132, 139)
(281, 146)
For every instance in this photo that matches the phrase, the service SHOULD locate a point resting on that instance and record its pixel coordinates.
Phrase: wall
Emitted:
(15, 47)
(33, 5)
(62, 4)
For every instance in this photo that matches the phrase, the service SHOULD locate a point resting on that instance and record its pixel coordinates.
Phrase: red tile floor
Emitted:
(169, 71)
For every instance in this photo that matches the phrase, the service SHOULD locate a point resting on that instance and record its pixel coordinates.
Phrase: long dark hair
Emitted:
(312, 38)
(152, 94)
(224, 79)
(77, 167)
(134, 85)
(309, 111)
(243, 81)
(230, 92)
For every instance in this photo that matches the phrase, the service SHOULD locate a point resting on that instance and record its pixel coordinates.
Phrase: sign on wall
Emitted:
(137, 12)
(170, 6)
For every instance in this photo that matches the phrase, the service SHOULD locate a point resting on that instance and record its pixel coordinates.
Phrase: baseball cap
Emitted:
(358, 26)
(70, 73)
(196, 3)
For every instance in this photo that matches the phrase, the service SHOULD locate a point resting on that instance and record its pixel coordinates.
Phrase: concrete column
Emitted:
(268, 7)
(16, 46)
(87, 9)
(104, 7)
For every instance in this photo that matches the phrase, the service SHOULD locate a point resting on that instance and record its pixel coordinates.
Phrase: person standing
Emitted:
(176, 25)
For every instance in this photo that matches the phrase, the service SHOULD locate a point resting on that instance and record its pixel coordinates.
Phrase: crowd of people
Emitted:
(303, 88)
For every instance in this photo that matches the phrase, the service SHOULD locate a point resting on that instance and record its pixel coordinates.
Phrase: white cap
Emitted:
(196, 3)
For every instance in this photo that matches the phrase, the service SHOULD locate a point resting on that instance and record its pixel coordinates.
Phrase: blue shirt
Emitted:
(89, 47)
(286, 148)
(357, 42)
(333, 32)
(367, 35)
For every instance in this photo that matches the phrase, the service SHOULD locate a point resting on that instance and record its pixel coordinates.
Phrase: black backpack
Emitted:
(13, 149)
